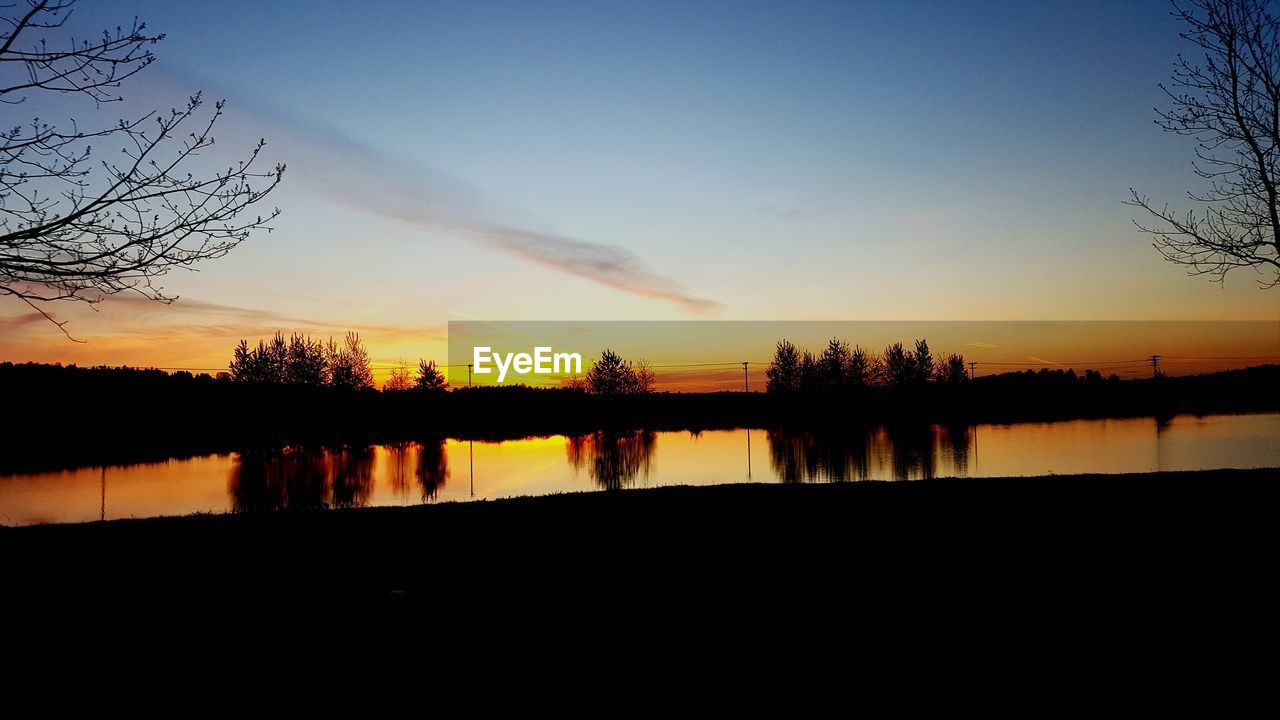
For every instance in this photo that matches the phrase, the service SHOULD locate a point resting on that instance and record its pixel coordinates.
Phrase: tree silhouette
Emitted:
(70, 233)
(643, 377)
(611, 375)
(306, 362)
(899, 366)
(833, 364)
(810, 377)
(922, 360)
(1229, 102)
(783, 374)
(263, 364)
(243, 367)
(349, 366)
(400, 378)
(429, 377)
(296, 361)
(863, 367)
(951, 369)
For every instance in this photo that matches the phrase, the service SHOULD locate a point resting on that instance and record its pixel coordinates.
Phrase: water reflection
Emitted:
(433, 468)
(613, 459)
(420, 468)
(307, 476)
(402, 473)
(900, 452)
(296, 477)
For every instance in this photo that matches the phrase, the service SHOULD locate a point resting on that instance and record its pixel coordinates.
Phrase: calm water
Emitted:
(440, 470)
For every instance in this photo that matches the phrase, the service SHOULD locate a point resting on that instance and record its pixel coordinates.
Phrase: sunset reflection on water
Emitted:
(441, 469)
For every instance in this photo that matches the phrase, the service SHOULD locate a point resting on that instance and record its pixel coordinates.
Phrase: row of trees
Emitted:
(301, 360)
(612, 375)
(840, 367)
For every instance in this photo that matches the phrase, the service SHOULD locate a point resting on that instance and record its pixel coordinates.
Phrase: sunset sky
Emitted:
(658, 161)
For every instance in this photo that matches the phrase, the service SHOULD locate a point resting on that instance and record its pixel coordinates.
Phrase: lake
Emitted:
(446, 469)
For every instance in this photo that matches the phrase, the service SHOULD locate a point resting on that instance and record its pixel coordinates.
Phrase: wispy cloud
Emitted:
(415, 193)
(20, 321)
(608, 265)
(981, 345)
(234, 319)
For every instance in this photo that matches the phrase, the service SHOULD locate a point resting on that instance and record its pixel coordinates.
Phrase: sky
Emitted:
(659, 161)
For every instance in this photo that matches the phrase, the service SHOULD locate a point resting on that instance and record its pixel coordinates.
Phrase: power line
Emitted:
(1063, 362)
(1207, 357)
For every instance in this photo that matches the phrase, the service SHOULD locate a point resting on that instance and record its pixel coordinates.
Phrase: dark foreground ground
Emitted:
(1120, 592)
(1173, 548)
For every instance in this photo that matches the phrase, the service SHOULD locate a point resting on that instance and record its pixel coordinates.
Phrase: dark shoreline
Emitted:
(72, 425)
(1167, 537)
(37, 458)
(70, 417)
(676, 499)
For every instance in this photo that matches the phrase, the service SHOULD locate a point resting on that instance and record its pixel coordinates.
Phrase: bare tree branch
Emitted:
(1229, 101)
(73, 227)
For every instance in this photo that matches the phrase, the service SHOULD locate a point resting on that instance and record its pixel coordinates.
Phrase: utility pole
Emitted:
(1155, 366)
(745, 387)
(972, 364)
(468, 374)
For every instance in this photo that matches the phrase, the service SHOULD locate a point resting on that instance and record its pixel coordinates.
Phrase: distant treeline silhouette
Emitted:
(838, 367)
(300, 360)
(66, 416)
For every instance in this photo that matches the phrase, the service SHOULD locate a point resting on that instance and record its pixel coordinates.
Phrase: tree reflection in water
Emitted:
(900, 452)
(309, 476)
(352, 475)
(818, 456)
(424, 463)
(613, 458)
(293, 477)
(433, 467)
(302, 477)
(398, 474)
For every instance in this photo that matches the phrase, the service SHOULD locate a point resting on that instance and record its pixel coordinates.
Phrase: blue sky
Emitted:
(788, 160)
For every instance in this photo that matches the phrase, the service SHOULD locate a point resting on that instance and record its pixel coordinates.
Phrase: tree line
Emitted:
(840, 367)
(302, 360)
